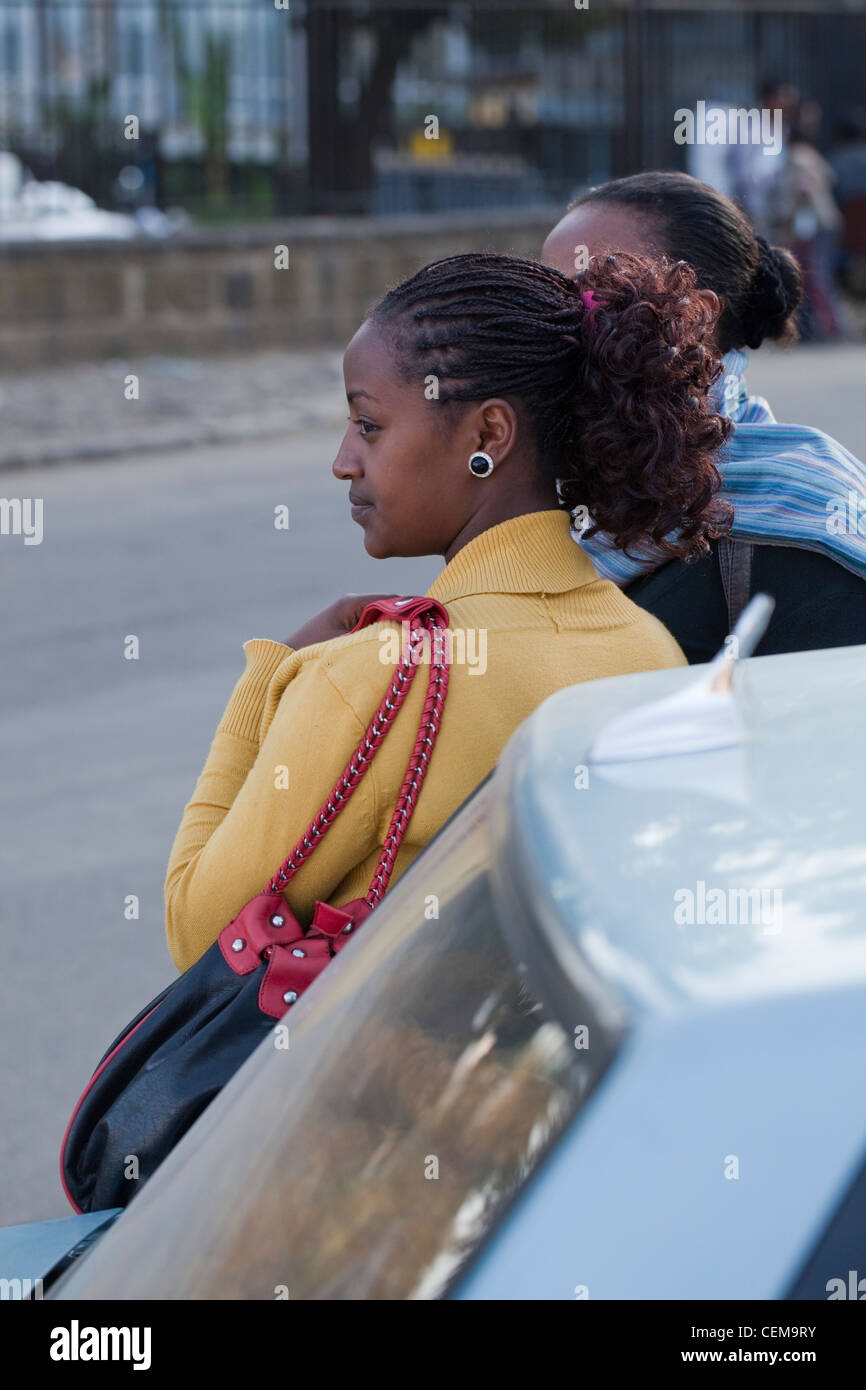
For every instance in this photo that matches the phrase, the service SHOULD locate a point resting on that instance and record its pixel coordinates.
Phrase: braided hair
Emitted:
(611, 386)
(760, 286)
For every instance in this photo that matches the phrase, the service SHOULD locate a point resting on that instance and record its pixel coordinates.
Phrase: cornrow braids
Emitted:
(614, 399)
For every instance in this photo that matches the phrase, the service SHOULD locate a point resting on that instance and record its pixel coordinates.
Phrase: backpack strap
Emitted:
(735, 567)
(426, 620)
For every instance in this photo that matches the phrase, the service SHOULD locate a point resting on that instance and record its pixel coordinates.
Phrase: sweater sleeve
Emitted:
(282, 743)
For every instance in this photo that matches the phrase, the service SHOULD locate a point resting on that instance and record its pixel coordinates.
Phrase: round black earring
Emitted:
(481, 465)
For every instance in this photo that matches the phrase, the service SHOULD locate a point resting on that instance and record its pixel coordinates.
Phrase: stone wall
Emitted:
(215, 291)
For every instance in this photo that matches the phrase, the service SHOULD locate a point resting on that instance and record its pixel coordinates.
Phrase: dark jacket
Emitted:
(818, 602)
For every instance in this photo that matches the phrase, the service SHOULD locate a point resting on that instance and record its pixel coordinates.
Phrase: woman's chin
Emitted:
(377, 541)
(374, 545)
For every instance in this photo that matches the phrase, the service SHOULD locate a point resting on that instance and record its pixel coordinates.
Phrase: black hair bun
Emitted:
(774, 294)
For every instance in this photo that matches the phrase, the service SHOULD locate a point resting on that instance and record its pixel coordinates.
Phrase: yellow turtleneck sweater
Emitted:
(534, 617)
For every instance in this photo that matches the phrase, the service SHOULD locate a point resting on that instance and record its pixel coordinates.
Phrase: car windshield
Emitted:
(367, 1150)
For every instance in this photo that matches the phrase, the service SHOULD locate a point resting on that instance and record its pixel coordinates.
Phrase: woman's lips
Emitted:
(359, 507)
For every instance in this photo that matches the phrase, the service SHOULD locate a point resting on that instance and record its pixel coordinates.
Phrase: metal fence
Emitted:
(259, 107)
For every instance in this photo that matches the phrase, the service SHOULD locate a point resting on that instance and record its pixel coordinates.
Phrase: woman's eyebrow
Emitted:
(353, 396)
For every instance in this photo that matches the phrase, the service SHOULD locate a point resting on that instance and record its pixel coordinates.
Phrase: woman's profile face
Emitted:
(602, 229)
(410, 488)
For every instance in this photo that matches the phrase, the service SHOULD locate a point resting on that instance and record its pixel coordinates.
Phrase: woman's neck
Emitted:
(486, 517)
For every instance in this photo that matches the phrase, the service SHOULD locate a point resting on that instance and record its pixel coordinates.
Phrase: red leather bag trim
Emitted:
(286, 972)
(253, 926)
(332, 921)
(401, 609)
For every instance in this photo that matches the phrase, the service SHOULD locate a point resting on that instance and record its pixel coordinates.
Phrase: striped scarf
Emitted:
(789, 485)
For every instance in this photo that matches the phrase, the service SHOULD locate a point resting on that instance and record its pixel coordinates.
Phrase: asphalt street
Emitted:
(98, 754)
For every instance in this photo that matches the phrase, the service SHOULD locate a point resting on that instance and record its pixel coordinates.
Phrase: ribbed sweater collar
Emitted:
(530, 554)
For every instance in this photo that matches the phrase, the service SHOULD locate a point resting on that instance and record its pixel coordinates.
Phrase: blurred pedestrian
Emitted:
(847, 159)
(813, 224)
(755, 179)
(712, 163)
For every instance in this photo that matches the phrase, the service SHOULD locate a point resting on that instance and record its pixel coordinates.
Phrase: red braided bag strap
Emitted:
(419, 762)
(427, 619)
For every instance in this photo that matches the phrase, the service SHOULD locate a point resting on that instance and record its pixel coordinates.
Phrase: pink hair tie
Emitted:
(591, 304)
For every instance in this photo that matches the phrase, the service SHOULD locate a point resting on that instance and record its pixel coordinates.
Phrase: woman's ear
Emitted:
(495, 424)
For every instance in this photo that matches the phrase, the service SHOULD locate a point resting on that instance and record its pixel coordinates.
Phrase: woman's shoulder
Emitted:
(356, 662)
(337, 649)
(353, 669)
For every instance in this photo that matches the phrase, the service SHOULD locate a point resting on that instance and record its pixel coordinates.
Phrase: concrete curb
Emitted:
(224, 432)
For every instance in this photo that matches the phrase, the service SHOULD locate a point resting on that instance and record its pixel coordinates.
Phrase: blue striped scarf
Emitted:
(789, 485)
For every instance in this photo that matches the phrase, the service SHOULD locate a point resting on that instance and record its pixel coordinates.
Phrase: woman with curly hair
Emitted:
(798, 496)
(491, 397)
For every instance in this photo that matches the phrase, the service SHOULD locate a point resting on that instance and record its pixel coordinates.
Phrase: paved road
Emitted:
(98, 754)
(822, 386)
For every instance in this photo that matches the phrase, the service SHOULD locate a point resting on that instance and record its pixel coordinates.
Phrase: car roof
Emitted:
(613, 856)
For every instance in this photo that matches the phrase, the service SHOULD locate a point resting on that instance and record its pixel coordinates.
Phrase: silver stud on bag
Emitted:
(290, 996)
(238, 944)
(481, 465)
(277, 920)
(298, 952)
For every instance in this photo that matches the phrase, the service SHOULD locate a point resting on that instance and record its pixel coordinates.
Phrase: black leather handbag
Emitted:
(173, 1058)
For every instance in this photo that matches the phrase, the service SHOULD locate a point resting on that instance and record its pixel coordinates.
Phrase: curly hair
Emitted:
(612, 386)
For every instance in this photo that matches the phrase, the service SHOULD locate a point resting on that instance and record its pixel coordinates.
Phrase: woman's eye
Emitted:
(365, 427)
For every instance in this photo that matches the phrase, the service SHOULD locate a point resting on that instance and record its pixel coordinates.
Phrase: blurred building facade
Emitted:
(254, 108)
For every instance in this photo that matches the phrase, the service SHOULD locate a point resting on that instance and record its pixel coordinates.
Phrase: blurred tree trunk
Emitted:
(323, 114)
(340, 166)
(213, 103)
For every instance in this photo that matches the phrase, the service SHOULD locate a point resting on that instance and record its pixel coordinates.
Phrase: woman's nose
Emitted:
(345, 465)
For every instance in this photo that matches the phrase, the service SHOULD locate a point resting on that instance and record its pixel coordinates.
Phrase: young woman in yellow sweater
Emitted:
(491, 399)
